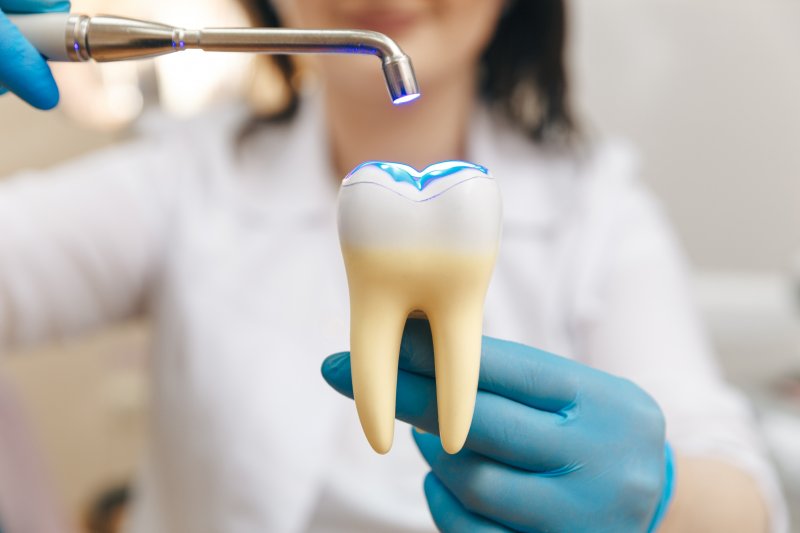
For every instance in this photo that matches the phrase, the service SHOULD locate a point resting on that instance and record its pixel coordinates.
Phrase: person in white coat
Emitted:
(223, 230)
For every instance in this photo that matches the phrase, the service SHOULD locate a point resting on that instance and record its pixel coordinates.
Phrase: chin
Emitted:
(359, 77)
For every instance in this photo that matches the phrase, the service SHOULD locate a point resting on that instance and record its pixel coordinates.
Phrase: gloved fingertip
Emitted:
(44, 95)
(61, 6)
(23, 70)
(432, 486)
(35, 6)
(46, 101)
(54, 7)
(336, 372)
(333, 363)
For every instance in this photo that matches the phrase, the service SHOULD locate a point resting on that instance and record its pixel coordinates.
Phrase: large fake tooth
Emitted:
(417, 242)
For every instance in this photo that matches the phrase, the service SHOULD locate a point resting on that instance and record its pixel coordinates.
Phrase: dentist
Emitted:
(223, 231)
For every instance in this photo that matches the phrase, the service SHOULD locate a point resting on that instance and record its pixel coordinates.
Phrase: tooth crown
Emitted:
(457, 207)
(417, 241)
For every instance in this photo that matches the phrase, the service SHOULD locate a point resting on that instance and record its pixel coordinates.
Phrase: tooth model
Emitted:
(417, 243)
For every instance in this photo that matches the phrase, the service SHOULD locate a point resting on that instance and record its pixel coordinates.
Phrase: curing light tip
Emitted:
(405, 99)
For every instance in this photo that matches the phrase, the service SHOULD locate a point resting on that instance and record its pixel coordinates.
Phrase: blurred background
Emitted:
(706, 90)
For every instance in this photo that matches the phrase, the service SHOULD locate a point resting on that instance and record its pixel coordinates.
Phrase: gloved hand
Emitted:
(555, 446)
(23, 71)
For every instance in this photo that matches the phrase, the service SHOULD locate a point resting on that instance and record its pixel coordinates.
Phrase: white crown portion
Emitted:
(449, 206)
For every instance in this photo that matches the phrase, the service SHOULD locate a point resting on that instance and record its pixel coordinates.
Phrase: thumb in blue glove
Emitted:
(23, 71)
(554, 445)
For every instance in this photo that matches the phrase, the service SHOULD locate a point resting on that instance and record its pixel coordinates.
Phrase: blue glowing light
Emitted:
(401, 173)
(405, 99)
(183, 44)
(76, 46)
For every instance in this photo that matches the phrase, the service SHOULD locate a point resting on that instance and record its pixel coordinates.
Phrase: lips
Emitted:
(387, 19)
(417, 242)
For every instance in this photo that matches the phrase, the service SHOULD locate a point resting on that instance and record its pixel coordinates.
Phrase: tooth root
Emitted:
(456, 331)
(375, 334)
(449, 289)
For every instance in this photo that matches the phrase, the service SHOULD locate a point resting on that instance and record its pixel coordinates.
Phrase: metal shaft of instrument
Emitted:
(289, 41)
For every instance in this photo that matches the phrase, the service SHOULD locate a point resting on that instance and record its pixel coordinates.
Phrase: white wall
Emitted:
(709, 90)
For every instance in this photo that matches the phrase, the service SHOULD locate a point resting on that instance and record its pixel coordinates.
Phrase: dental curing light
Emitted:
(74, 37)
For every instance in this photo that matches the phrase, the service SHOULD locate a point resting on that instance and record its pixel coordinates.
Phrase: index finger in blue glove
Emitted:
(450, 516)
(526, 375)
(23, 70)
(33, 6)
(534, 440)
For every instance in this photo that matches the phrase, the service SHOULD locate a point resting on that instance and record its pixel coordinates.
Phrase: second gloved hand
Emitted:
(23, 71)
(555, 446)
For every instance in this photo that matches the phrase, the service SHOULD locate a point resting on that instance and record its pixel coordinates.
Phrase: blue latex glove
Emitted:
(555, 446)
(23, 71)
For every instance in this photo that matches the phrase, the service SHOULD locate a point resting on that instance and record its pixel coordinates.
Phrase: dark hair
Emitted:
(523, 75)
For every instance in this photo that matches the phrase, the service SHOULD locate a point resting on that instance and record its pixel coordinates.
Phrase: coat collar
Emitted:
(536, 185)
(291, 164)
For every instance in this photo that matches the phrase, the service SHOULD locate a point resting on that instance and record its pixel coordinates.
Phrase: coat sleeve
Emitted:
(27, 498)
(79, 243)
(637, 319)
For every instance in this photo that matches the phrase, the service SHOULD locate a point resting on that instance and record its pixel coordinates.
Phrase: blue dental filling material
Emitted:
(401, 173)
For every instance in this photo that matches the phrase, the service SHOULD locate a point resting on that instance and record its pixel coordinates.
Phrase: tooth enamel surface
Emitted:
(417, 242)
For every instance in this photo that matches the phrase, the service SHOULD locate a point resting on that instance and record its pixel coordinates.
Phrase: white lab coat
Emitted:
(234, 252)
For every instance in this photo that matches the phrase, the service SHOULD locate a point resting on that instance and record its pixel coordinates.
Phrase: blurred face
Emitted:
(444, 38)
